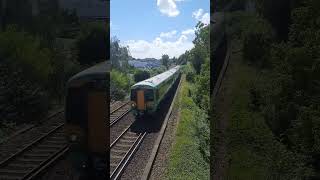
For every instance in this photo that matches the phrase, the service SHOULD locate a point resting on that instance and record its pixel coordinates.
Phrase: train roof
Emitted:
(158, 79)
(98, 71)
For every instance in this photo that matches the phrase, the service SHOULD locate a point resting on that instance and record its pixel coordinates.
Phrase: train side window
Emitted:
(149, 95)
(157, 94)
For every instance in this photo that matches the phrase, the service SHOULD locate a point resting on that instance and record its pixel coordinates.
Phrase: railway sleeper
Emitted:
(119, 151)
(38, 155)
(116, 157)
(56, 142)
(46, 151)
(10, 171)
(21, 166)
(58, 137)
(124, 145)
(131, 141)
(113, 165)
(130, 137)
(30, 160)
(50, 146)
(10, 177)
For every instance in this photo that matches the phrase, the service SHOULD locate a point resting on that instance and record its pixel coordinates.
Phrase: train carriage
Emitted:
(86, 110)
(147, 95)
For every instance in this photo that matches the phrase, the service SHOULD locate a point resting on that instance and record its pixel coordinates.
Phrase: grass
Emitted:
(253, 150)
(186, 160)
(245, 162)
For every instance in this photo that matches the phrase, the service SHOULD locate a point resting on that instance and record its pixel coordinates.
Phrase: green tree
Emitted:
(119, 85)
(140, 75)
(92, 44)
(119, 55)
(165, 60)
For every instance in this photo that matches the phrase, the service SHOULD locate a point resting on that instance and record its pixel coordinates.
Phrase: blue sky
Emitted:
(154, 27)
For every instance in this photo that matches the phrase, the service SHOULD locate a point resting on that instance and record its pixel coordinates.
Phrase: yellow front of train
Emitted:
(142, 100)
(86, 128)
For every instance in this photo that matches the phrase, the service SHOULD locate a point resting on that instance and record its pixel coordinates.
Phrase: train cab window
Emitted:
(133, 95)
(149, 95)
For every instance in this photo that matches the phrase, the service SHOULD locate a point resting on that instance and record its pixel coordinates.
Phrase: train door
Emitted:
(97, 126)
(140, 100)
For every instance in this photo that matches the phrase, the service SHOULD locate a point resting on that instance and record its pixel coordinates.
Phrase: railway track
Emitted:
(122, 150)
(31, 160)
(119, 111)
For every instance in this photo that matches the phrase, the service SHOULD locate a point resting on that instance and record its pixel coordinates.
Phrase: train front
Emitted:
(86, 129)
(143, 97)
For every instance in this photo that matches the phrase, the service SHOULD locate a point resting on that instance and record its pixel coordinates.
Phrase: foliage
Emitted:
(201, 47)
(257, 40)
(202, 97)
(23, 50)
(25, 70)
(119, 85)
(190, 73)
(119, 55)
(285, 95)
(254, 151)
(189, 156)
(92, 44)
(141, 75)
(165, 60)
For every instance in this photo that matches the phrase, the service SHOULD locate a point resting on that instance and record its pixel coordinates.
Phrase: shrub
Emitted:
(119, 86)
(257, 40)
(141, 75)
(92, 44)
(25, 69)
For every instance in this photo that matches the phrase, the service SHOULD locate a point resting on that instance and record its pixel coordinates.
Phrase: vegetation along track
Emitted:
(121, 109)
(28, 162)
(122, 150)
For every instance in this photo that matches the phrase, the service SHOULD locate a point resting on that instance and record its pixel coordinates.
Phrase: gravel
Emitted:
(162, 159)
(151, 124)
(18, 142)
(120, 126)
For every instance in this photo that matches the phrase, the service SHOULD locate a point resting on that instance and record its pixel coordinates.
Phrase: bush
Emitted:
(25, 69)
(141, 75)
(119, 86)
(92, 44)
(190, 73)
(257, 40)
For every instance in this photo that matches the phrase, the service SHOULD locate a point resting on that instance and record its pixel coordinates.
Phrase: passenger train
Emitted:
(87, 130)
(147, 95)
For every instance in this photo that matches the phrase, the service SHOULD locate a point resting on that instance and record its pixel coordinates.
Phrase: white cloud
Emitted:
(197, 14)
(204, 18)
(168, 7)
(188, 32)
(157, 47)
(168, 34)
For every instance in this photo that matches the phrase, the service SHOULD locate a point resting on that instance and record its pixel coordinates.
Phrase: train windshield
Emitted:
(148, 94)
(133, 95)
(76, 111)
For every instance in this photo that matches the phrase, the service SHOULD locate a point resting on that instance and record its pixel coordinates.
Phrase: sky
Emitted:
(152, 28)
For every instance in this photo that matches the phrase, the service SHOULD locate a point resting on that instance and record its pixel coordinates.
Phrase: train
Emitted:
(146, 95)
(86, 127)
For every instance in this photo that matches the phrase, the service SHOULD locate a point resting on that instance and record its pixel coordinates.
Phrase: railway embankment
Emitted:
(181, 154)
